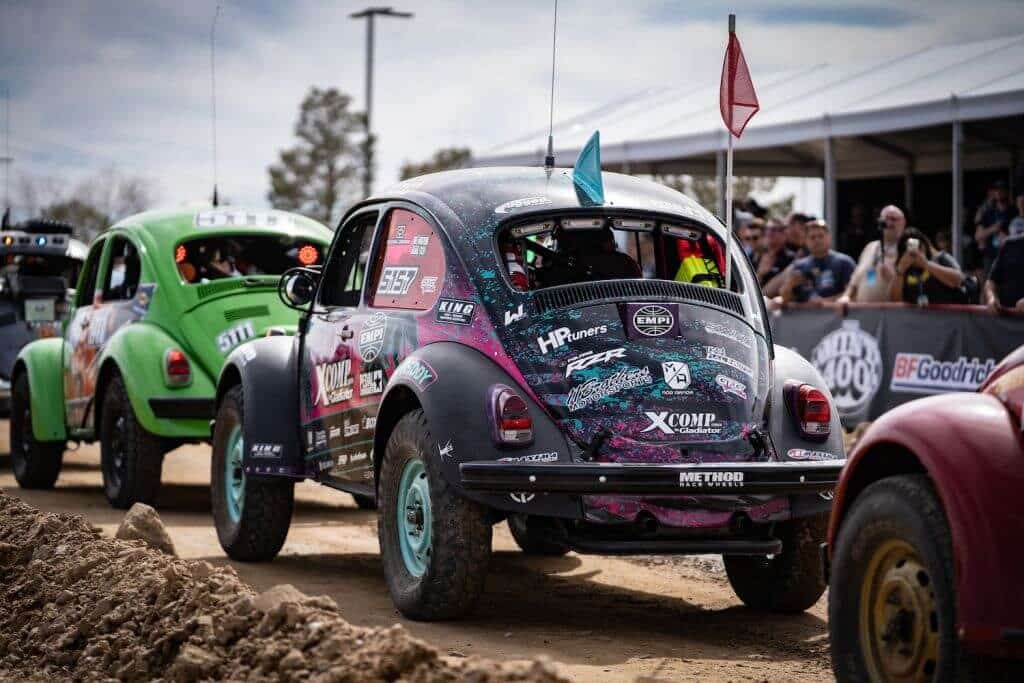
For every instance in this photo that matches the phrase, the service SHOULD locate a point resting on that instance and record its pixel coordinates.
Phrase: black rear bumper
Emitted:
(747, 478)
(190, 408)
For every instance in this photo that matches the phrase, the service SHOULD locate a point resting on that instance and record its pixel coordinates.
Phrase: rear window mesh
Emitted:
(569, 296)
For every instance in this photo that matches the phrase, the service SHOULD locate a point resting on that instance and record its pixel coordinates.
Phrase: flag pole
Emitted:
(728, 176)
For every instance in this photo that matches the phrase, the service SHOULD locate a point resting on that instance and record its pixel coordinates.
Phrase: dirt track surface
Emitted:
(599, 618)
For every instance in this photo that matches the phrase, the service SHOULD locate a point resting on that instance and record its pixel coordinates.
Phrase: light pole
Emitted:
(369, 13)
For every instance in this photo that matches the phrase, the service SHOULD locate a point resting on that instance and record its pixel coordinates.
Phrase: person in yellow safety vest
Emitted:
(699, 262)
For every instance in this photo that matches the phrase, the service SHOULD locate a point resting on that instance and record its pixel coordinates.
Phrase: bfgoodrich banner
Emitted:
(876, 358)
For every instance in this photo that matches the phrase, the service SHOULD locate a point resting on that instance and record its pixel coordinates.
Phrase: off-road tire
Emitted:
(791, 581)
(268, 502)
(365, 502)
(36, 464)
(460, 533)
(537, 536)
(904, 507)
(135, 478)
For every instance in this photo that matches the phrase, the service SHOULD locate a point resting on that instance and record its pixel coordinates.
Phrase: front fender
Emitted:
(268, 372)
(973, 452)
(44, 362)
(452, 383)
(137, 351)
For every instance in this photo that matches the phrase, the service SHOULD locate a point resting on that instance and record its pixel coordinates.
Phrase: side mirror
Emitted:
(298, 287)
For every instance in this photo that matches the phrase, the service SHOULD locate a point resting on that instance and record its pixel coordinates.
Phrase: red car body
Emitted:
(972, 448)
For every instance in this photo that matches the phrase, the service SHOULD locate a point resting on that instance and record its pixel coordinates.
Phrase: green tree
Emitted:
(444, 159)
(704, 189)
(319, 175)
(87, 219)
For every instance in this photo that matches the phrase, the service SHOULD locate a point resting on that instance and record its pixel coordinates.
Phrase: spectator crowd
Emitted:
(796, 262)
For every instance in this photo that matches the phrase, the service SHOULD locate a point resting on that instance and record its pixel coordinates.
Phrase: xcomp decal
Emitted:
(589, 358)
(922, 373)
(334, 382)
(230, 338)
(416, 371)
(455, 311)
(653, 320)
(371, 337)
(712, 480)
(563, 335)
(592, 391)
(683, 423)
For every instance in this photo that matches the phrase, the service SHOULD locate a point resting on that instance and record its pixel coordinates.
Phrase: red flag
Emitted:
(737, 98)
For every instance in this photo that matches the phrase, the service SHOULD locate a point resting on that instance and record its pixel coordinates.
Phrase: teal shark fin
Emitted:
(586, 174)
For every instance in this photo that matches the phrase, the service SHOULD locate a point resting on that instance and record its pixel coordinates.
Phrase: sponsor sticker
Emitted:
(653, 320)
(682, 423)
(533, 457)
(595, 390)
(718, 354)
(851, 363)
(334, 433)
(585, 360)
(804, 454)
(676, 374)
(428, 284)
(561, 336)
(370, 422)
(732, 386)
(321, 438)
(446, 450)
(525, 202)
(341, 460)
(351, 428)
(371, 337)
(222, 218)
(246, 355)
(454, 311)
(419, 245)
(361, 456)
(230, 338)
(727, 331)
(922, 373)
(711, 480)
(522, 497)
(417, 371)
(333, 382)
(515, 315)
(371, 382)
(396, 280)
(324, 464)
(266, 450)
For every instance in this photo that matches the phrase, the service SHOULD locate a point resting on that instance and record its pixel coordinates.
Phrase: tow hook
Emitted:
(757, 441)
(602, 435)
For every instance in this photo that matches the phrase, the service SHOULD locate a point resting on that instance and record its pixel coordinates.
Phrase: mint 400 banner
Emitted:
(875, 358)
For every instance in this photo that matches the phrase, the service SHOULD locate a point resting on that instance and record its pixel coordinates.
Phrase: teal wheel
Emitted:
(234, 475)
(414, 518)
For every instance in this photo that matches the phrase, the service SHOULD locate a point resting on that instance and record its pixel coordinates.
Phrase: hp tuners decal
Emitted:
(371, 337)
(683, 423)
(416, 371)
(563, 335)
(333, 382)
(922, 373)
(851, 363)
(596, 390)
(711, 480)
(585, 360)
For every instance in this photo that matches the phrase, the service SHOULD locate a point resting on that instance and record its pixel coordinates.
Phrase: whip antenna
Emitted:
(7, 160)
(213, 95)
(549, 160)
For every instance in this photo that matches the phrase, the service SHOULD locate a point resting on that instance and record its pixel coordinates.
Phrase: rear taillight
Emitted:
(511, 418)
(810, 410)
(177, 371)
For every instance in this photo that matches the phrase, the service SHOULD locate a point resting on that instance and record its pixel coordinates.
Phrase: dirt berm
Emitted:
(76, 604)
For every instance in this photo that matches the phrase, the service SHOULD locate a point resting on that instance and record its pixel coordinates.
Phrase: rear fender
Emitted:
(790, 365)
(266, 368)
(136, 352)
(972, 451)
(43, 361)
(452, 383)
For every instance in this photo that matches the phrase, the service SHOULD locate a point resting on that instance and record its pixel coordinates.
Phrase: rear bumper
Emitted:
(188, 408)
(748, 478)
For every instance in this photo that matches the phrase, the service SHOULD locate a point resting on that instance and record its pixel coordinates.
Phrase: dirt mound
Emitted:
(78, 605)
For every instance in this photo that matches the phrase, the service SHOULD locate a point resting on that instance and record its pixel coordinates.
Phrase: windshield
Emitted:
(571, 250)
(214, 258)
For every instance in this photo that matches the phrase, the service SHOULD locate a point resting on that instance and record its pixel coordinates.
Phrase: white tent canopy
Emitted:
(877, 117)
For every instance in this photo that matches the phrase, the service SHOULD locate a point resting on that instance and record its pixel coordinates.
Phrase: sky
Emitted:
(95, 84)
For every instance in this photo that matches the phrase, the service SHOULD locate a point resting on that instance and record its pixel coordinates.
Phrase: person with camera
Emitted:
(820, 277)
(876, 266)
(992, 222)
(925, 275)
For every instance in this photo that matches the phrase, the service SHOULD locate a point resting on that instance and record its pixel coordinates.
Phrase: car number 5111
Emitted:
(231, 338)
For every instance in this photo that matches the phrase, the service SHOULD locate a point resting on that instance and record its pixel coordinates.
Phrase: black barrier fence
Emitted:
(877, 357)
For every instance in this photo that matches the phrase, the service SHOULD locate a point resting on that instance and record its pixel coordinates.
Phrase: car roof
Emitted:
(485, 197)
(170, 226)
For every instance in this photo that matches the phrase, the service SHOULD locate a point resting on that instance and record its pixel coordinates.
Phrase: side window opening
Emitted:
(346, 267)
(87, 279)
(410, 267)
(123, 271)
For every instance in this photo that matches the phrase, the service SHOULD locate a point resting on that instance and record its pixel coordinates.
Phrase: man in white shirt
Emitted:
(877, 264)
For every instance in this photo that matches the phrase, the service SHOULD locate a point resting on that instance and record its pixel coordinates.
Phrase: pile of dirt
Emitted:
(76, 604)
